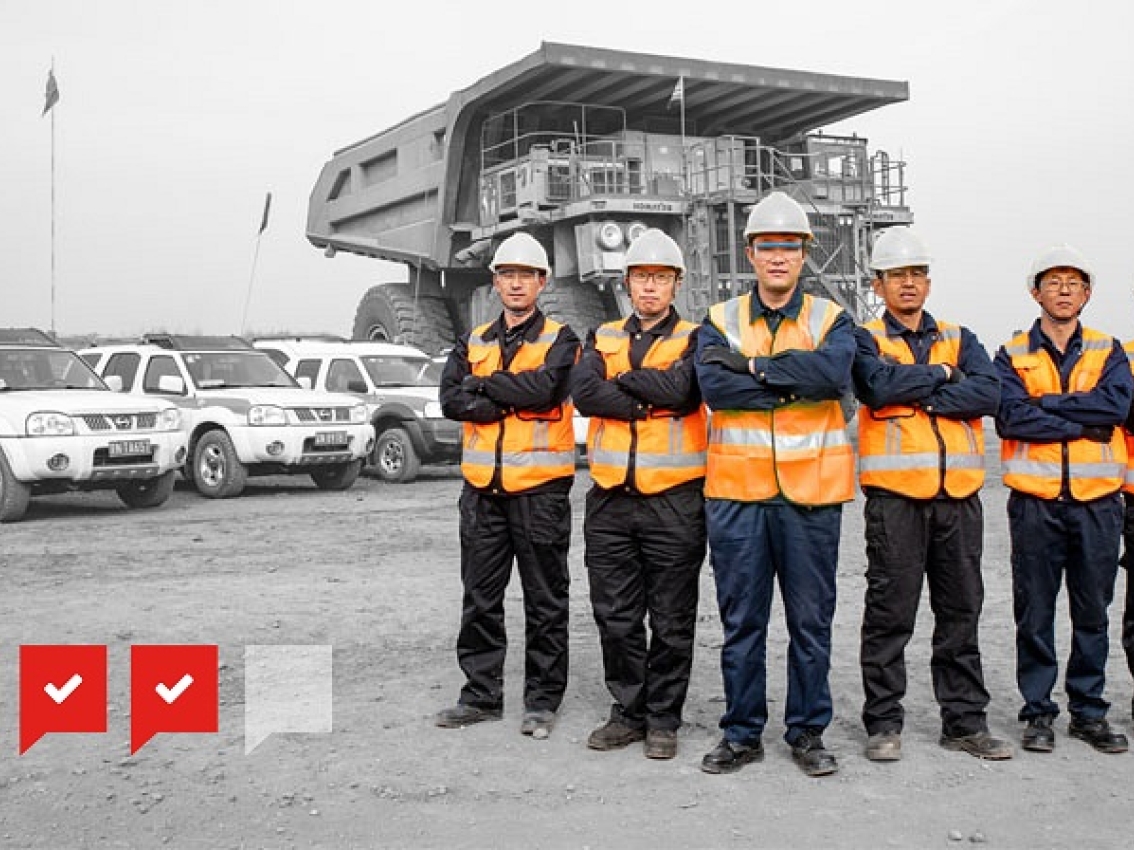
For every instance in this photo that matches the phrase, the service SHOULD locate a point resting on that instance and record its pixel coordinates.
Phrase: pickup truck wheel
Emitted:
(395, 458)
(217, 471)
(14, 494)
(339, 476)
(147, 493)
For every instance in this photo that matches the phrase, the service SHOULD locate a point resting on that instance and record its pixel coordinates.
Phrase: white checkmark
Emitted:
(170, 695)
(60, 694)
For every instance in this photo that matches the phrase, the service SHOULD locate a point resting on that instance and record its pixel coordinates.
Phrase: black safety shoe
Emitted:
(661, 744)
(729, 756)
(1097, 733)
(979, 744)
(614, 735)
(537, 722)
(461, 715)
(1039, 736)
(813, 758)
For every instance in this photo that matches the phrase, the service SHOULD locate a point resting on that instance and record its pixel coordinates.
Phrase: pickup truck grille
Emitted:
(119, 421)
(320, 415)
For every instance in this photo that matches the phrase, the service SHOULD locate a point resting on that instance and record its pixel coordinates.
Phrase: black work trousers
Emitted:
(534, 530)
(1128, 563)
(643, 557)
(942, 541)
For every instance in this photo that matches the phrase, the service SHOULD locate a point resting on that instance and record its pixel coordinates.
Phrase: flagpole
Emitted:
(248, 293)
(53, 210)
(255, 260)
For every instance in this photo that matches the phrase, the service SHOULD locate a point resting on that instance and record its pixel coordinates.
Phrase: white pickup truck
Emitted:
(63, 429)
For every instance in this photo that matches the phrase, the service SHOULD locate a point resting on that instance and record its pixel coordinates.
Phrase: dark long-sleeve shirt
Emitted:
(632, 394)
(1062, 416)
(535, 390)
(819, 375)
(879, 383)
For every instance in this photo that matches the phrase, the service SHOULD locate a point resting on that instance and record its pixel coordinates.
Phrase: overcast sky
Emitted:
(176, 117)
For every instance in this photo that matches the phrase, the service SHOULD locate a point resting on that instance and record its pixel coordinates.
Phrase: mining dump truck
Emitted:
(585, 148)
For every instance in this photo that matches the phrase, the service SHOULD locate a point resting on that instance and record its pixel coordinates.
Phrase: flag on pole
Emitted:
(51, 96)
(678, 96)
(267, 209)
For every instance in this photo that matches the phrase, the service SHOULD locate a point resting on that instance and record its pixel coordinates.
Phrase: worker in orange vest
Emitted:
(645, 515)
(1065, 391)
(772, 365)
(925, 385)
(508, 381)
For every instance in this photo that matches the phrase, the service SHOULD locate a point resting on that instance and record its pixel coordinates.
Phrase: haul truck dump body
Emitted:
(584, 148)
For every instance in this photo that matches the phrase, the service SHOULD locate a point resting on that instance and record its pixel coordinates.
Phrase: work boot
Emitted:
(538, 723)
(461, 715)
(813, 758)
(661, 744)
(884, 746)
(1096, 731)
(614, 735)
(980, 744)
(729, 756)
(1039, 736)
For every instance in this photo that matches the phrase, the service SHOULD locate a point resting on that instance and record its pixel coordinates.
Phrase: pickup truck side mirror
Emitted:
(114, 382)
(304, 381)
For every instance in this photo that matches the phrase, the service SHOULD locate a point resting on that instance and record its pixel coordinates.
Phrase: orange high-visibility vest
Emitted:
(800, 450)
(905, 450)
(1128, 481)
(1093, 469)
(667, 449)
(529, 448)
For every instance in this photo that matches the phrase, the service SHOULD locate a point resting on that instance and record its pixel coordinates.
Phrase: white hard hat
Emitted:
(777, 213)
(521, 249)
(1056, 256)
(655, 248)
(898, 248)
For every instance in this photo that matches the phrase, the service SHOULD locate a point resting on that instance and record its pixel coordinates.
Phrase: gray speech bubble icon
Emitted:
(287, 688)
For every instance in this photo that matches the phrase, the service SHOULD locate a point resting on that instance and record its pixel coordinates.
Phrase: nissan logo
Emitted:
(324, 413)
(123, 423)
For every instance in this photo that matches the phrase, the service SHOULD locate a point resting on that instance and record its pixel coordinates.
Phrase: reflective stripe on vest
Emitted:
(528, 448)
(905, 450)
(666, 450)
(799, 451)
(1091, 469)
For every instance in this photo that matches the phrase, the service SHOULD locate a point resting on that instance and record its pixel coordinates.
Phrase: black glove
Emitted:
(1034, 401)
(734, 361)
(472, 384)
(1098, 433)
(956, 375)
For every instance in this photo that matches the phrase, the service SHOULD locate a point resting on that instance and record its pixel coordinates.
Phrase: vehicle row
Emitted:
(129, 416)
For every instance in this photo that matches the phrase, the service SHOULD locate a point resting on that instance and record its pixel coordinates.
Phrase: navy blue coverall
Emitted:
(752, 544)
(1053, 538)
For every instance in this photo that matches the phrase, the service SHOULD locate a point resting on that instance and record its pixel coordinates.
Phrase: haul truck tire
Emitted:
(386, 314)
(574, 303)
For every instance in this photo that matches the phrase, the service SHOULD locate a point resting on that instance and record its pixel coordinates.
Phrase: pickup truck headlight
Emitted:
(50, 424)
(358, 414)
(266, 414)
(433, 410)
(169, 420)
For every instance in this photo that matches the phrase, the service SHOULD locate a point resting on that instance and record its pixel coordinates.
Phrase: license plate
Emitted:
(129, 448)
(331, 438)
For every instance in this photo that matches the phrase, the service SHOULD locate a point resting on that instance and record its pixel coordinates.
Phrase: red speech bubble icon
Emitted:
(173, 688)
(62, 689)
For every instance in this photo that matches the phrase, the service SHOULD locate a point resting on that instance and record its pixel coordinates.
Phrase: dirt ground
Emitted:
(374, 572)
